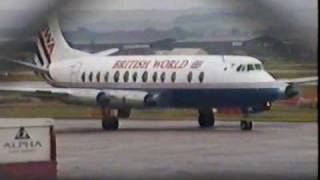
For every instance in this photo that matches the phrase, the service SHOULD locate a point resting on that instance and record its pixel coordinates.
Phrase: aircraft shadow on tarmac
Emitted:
(220, 127)
(182, 129)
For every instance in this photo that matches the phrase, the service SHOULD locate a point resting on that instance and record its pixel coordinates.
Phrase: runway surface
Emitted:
(180, 150)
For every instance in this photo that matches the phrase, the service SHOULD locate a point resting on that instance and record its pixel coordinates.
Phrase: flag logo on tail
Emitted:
(46, 45)
(48, 40)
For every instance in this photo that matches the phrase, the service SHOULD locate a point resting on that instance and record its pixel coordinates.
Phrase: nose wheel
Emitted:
(246, 125)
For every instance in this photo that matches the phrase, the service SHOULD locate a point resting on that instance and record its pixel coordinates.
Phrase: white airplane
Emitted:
(118, 84)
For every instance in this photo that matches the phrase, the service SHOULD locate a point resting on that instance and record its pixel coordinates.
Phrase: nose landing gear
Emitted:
(246, 125)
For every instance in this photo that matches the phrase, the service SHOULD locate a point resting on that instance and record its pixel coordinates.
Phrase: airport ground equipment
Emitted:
(27, 149)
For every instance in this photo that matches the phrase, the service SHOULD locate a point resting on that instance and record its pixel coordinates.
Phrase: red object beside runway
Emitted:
(34, 170)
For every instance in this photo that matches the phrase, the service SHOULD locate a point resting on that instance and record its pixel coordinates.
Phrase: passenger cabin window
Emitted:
(106, 77)
(201, 77)
(190, 77)
(116, 76)
(155, 77)
(173, 77)
(98, 77)
(83, 77)
(91, 76)
(135, 77)
(145, 77)
(126, 76)
(163, 77)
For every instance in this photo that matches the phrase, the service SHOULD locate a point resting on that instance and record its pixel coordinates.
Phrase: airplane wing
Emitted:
(107, 97)
(38, 90)
(44, 91)
(300, 81)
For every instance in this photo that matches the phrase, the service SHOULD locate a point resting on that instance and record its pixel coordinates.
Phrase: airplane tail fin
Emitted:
(52, 46)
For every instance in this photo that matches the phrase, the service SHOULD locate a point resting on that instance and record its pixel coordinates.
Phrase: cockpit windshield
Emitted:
(258, 66)
(249, 67)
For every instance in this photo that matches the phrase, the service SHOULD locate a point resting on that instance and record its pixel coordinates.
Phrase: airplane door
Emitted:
(75, 72)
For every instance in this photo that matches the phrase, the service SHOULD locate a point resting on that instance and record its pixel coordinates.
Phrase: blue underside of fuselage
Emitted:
(208, 97)
(195, 98)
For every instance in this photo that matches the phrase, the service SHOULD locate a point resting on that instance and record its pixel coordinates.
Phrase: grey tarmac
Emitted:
(181, 150)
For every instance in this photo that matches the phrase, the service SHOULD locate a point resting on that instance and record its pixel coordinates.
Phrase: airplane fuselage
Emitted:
(179, 81)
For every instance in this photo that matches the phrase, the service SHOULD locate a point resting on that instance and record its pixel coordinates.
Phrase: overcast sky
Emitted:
(110, 4)
(151, 4)
(279, 8)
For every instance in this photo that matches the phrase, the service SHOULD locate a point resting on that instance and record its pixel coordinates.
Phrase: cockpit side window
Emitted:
(243, 68)
(239, 68)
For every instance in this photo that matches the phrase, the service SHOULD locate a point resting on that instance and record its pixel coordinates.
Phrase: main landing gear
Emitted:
(206, 118)
(110, 121)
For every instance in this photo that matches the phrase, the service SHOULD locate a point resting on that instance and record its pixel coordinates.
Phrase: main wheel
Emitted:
(206, 119)
(110, 123)
(246, 125)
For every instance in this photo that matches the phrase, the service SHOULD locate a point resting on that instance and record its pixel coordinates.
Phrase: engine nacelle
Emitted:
(86, 97)
(291, 91)
(117, 99)
(122, 99)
